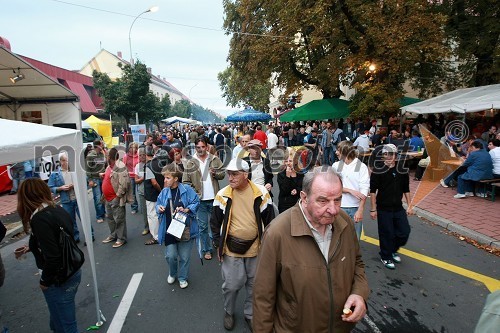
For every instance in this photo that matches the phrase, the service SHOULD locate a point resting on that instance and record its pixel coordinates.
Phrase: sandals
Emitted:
(152, 241)
(208, 256)
(118, 244)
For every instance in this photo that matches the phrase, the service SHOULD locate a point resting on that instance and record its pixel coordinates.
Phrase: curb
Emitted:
(454, 227)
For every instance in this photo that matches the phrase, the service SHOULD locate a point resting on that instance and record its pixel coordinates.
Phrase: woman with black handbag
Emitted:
(39, 212)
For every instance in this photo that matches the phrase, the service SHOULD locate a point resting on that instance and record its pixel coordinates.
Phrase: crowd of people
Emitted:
(173, 180)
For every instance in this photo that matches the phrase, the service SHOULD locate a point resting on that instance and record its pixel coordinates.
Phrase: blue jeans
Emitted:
(97, 193)
(203, 216)
(285, 141)
(135, 205)
(328, 155)
(357, 226)
(61, 303)
(465, 185)
(72, 208)
(179, 253)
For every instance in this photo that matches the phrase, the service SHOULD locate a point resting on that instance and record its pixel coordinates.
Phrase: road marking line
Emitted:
(372, 325)
(121, 313)
(490, 283)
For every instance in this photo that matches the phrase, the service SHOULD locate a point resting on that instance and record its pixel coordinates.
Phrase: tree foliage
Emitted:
(473, 28)
(297, 44)
(130, 94)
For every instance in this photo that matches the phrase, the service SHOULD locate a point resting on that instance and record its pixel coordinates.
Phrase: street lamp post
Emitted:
(152, 10)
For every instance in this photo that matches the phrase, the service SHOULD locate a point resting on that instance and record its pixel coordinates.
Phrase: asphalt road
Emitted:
(416, 297)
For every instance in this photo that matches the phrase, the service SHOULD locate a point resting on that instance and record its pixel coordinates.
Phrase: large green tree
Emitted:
(474, 29)
(129, 94)
(297, 44)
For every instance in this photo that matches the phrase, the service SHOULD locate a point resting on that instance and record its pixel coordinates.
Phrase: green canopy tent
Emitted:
(319, 109)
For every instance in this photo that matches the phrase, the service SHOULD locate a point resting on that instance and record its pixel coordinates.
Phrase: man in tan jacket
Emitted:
(117, 191)
(203, 173)
(310, 268)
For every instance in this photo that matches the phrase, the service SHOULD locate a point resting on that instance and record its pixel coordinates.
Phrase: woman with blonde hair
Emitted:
(39, 213)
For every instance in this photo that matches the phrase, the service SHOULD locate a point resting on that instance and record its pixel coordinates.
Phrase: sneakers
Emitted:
(481, 195)
(469, 194)
(99, 220)
(109, 239)
(442, 183)
(228, 321)
(170, 279)
(388, 264)
(459, 196)
(182, 284)
(396, 258)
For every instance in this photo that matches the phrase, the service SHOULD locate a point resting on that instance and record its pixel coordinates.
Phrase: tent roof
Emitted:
(95, 120)
(319, 109)
(13, 150)
(176, 119)
(461, 101)
(36, 86)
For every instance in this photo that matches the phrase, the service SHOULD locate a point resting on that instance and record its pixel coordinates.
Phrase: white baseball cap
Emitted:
(237, 164)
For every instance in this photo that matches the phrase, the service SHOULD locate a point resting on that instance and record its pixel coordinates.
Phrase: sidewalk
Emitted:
(473, 217)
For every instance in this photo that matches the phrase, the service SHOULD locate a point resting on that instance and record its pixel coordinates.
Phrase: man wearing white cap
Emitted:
(388, 184)
(241, 212)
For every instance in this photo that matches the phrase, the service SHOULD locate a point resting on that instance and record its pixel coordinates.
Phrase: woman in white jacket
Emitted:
(356, 183)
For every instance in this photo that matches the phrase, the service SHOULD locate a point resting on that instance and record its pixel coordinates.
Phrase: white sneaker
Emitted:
(469, 194)
(481, 195)
(183, 284)
(170, 279)
(396, 258)
(442, 183)
(459, 196)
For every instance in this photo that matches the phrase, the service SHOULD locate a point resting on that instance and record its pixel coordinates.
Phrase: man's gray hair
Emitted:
(325, 171)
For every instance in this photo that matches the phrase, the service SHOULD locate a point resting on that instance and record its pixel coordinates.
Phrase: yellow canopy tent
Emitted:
(103, 127)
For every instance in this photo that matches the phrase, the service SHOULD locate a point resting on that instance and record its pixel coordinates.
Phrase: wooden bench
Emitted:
(495, 182)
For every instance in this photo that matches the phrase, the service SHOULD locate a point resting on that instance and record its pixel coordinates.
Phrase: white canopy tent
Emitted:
(460, 101)
(42, 140)
(36, 96)
(176, 119)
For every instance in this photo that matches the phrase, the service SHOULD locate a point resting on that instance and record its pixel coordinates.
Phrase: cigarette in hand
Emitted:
(347, 312)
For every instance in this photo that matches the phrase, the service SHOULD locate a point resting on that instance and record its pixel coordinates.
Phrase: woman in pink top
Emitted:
(131, 159)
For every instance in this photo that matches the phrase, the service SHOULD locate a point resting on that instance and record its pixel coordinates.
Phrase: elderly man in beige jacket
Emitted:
(117, 191)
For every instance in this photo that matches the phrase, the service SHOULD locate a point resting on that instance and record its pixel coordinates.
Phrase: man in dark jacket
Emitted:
(260, 171)
(388, 184)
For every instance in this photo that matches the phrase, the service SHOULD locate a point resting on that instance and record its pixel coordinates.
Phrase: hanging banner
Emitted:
(138, 132)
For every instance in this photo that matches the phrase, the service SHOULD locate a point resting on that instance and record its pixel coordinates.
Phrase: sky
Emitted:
(69, 33)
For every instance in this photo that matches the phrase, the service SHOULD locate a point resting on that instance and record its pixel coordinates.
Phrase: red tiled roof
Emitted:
(86, 103)
(76, 82)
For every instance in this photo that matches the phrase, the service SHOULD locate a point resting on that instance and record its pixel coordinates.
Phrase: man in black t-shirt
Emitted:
(388, 184)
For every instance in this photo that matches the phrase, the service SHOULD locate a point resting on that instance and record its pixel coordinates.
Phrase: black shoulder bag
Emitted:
(72, 257)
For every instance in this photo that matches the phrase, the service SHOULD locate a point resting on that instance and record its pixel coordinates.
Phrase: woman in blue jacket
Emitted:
(173, 199)
(61, 183)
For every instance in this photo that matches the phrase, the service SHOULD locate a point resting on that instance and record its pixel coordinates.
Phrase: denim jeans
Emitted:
(203, 216)
(72, 208)
(357, 226)
(61, 303)
(393, 231)
(179, 254)
(97, 193)
(135, 205)
(285, 141)
(465, 185)
(328, 155)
